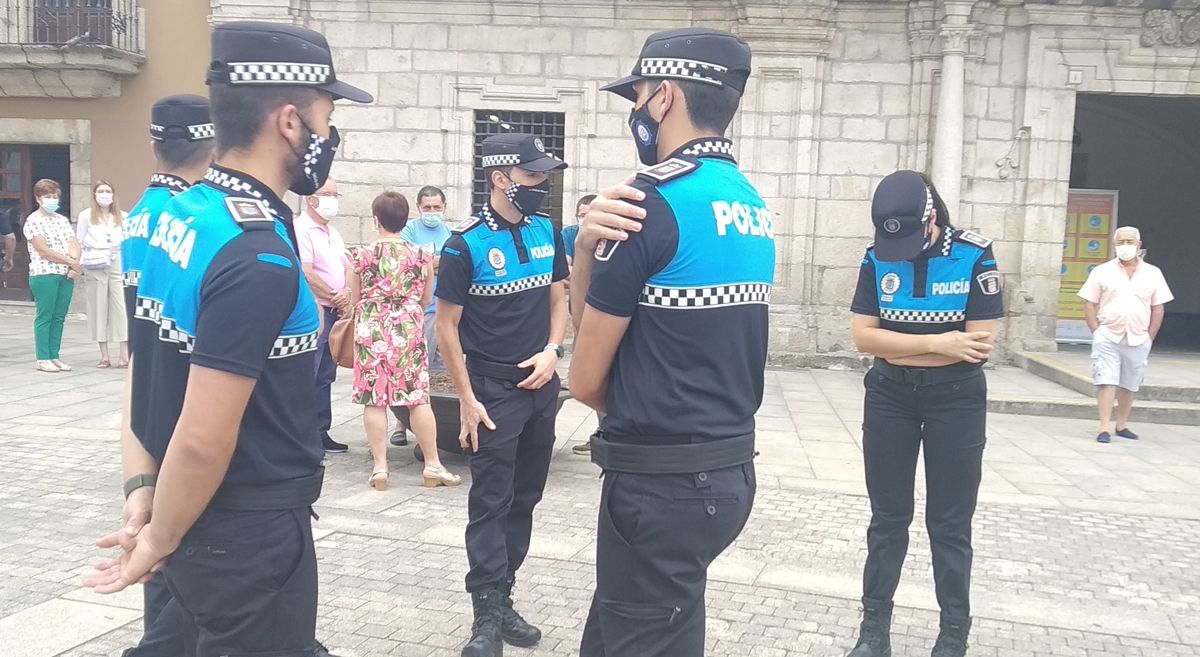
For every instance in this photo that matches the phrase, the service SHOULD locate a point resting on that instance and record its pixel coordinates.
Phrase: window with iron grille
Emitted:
(550, 126)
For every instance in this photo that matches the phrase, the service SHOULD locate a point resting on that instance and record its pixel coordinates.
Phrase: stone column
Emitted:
(948, 133)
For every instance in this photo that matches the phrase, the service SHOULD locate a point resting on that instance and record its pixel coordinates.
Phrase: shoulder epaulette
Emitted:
(870, 245)
(249, 212)
(669, 170)
(972, 238)
(475, 221)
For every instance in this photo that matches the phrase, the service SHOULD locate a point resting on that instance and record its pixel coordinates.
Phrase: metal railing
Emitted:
(72, 23)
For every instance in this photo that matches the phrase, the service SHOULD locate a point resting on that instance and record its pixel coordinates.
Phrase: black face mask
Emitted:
(645, 131)
(527, 199)
(311, 169)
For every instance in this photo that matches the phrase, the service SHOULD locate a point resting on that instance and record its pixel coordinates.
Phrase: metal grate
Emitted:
(550, 126)
(72, 23)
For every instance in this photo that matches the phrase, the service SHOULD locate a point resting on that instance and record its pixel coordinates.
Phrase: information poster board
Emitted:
(1090, 222)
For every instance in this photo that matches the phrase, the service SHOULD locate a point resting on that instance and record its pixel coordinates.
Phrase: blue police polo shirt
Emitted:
(222, 288)
(695, 282)
(500, 273)
(949, 284)
(140, 222)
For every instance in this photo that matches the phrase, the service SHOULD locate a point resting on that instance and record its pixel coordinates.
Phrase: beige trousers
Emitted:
(106, 305)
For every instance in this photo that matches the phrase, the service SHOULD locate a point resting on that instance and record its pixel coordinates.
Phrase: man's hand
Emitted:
(543, 366)
(963, 346)
(609, 217)
(341, 300)
(471, 415)
(136, 513)
(141, 557)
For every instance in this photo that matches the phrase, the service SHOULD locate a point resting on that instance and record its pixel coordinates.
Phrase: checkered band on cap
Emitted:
(922, 316)
(510, 287)
(687, 69)
(132, 278)
(706, 297)
(202, 131)
(504, 160)
(232, 183)
(278, 73)
(156, 128)
(710, 147)
(291, 345)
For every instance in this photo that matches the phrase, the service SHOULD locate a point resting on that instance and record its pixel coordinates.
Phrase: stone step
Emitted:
(1085, 409)
(1052, 369)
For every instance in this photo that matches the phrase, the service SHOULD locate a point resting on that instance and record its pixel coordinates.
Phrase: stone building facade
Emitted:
(981, 93)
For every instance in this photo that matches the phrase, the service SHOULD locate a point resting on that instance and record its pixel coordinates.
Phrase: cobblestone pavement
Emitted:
(1081, 549)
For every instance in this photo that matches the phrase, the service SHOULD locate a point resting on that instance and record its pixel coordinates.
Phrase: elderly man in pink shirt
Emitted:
(1124, 308)
(327, 270)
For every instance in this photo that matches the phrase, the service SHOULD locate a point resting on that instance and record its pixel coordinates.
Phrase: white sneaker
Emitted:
(63, 367)
(47, 366)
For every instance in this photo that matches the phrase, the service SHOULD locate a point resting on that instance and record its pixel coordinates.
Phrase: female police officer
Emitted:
(926, 307)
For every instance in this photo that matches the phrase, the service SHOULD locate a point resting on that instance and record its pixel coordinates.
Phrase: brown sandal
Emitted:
(379, 480)
(104, 364)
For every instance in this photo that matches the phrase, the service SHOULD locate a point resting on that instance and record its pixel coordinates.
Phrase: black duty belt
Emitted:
(926, 376)
(275, 496)
(672, 459)
(494, 370)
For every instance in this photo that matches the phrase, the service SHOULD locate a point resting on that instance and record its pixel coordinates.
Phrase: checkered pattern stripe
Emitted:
(922, 316)
(156, 129)
(688, 69)
(710, 147)
(175, 184)
(505, 160)
(493, 222)
(291, 345)
(511, 287)
(278, 73)
(147, 309)
(706, 297)
(132, 278)
(232, 183)
(946, 242)
(202, 131)
(151, 310)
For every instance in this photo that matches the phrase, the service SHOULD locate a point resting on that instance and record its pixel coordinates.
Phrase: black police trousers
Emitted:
(950, 420)
(508, 475)
(162, 634)
(656, 536)
(246, 584)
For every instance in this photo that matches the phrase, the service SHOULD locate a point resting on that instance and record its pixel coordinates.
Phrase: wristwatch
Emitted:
(557, 349)
(140, 481)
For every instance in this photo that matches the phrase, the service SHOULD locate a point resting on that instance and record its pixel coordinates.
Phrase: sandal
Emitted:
(123, 364)
(47, 366)
(103, 364)
(62, 367)
(379, 480)
(439, 476)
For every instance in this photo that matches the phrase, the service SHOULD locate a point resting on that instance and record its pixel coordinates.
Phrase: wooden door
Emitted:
(16, 201)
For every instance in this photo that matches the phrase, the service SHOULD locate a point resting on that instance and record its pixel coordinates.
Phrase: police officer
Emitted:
(502, 304)
(234, 461)
(926, 306)
(182, 134)
(672, 345)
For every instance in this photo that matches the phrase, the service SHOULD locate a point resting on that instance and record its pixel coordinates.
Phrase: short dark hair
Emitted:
(942, 218)
(391, 209)
(182, 154)
(430, 190)
(238, 113)
(507, 171)
(711, 108)
(584, 200)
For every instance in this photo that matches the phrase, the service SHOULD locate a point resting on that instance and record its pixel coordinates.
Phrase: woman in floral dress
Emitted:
(390, 293)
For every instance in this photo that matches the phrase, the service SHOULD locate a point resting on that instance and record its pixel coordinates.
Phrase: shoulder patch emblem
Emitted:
(973, 238)
(669, 170)
(247, 210)
(989, 282)
(605, 249)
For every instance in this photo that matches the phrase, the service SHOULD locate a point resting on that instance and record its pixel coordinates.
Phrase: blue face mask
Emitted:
(50, 205)
(432, 219)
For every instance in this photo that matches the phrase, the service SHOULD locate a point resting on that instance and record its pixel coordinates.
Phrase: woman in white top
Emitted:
(53, 268)
(99, 231)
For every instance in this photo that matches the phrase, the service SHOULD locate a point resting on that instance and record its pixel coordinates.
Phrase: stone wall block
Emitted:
(864, 129)
(395, 146)
(421, 36)
(841, 218)
(357, 34)
(858, 157)
(883, 72)
(843, 99)
(390, 60)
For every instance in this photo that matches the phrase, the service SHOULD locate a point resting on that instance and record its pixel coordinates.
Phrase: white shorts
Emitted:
(1119, 364)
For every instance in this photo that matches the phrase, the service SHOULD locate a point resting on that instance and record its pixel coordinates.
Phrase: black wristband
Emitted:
(140, 481)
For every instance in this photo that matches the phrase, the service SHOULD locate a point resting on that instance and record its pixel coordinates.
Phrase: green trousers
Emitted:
(52, 298)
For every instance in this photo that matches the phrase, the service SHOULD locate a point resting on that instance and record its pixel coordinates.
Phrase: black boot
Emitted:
(514, 629)
(874, 635)
(952, 639)
(485, 631)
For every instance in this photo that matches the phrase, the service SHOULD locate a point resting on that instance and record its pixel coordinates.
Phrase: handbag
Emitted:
(96, 259)
(341, 340)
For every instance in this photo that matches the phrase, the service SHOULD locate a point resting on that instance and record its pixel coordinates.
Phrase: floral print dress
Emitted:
(390, 363)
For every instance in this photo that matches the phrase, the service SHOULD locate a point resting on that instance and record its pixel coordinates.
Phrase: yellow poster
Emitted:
(1089, 225)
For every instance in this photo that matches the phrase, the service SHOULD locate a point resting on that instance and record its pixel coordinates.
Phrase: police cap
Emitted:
(900, 210)
(691, 53)
(519, 150)
(247, 53)
(184, 117)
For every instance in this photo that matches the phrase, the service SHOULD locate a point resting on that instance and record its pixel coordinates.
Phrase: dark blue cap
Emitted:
(697, 54)
(513, 149)
(247, 53)
(184, 117)
(900, 210)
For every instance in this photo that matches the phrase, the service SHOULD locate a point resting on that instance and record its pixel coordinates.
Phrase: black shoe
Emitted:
(332, 446)
(322, 651)
(399, 437)
(515, 631)
(1127, 434)
(1103, 437)
(874, 634)
(952, 639)
(485, 631)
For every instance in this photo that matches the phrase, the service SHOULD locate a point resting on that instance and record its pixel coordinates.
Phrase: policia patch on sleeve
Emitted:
(989, 282)
(605, 249)
(669, 170)
(973, 238)
(248, 210)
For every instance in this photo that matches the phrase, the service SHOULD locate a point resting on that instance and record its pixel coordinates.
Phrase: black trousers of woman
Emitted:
(949, 419)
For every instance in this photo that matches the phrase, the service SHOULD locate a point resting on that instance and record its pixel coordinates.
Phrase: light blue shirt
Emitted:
(418, 233)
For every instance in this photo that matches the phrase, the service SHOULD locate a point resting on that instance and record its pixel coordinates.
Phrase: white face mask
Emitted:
(327, 207)
(104, 200)
(1127, 252)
